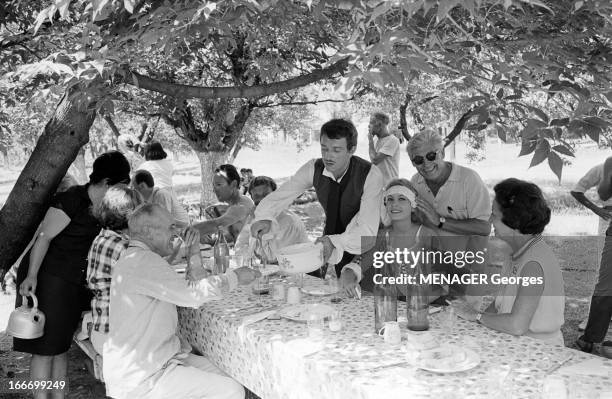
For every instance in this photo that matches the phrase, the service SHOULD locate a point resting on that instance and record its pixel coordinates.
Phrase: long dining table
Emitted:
(275, 358)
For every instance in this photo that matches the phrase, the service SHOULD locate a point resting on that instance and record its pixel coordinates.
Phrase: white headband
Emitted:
(402, 190)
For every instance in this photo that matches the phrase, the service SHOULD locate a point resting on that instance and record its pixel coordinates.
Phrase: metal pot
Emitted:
(25, 322)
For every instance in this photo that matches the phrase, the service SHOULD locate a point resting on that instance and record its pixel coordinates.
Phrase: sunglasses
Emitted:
(431, 156)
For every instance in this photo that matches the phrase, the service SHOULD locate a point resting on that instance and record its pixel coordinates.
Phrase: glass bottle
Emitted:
(417, 301)
(385, 296)
(220, 253)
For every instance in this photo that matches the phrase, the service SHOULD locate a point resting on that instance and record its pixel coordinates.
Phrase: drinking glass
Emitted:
(450, 319)
(335, 320)
(315, 324)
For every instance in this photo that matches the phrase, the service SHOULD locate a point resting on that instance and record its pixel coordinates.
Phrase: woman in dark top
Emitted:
(55, 268)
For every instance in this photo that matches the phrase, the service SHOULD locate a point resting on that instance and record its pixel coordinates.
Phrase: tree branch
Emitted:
(331, 100)
(188, 91)
(111, 124)
(458, 127)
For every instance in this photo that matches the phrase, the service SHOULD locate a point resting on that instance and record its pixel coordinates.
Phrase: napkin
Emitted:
(254, 318)
(588, 367)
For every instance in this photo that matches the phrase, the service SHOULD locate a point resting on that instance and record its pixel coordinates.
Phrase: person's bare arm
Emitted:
(234, 214)
(599, 211)
(54, 222)
(605, 187)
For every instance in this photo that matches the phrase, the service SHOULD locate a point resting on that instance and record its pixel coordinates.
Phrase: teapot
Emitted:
(25, 322)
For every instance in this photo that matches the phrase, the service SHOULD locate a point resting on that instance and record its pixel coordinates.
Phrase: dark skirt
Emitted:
(62, 303)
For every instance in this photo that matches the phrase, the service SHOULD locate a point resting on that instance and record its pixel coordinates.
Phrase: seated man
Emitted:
(145, 184)
(226, 184)
(143, 357)
(291, 230)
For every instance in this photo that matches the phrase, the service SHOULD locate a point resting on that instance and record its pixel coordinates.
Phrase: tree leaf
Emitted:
(564, 150)
(62, 7)
(99, 65)
(556, 164)
(501, 133)
(559, 122)
(129, 5)
(527, 147)
(541, 153)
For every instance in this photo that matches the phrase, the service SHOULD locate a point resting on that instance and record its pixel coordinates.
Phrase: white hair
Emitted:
(423, 138)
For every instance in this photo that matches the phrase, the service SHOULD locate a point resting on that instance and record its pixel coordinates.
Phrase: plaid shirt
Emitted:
(103, 254)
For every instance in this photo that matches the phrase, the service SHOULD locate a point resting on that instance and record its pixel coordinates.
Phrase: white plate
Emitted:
(301, 313)
(448, 359)
(319, 290)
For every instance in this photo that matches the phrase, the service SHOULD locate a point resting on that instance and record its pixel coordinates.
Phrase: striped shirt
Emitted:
(103, 254)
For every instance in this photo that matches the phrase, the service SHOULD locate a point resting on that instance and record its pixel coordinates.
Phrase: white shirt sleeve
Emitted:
(159, 281)
(388, 145)
(276, 201)
(591, 179)
(365, 222)
(478, 198)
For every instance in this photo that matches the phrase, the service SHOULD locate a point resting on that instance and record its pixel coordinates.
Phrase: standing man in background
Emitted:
(600, 313)
(593, 178)
(385, 153)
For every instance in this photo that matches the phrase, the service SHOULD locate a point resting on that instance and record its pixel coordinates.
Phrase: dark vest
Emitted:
(340, 211)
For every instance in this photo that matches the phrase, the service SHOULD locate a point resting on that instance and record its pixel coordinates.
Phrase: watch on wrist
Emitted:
(479, 317)
(442, 221)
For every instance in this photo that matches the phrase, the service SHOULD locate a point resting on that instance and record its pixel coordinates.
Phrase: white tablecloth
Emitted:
(275, 359)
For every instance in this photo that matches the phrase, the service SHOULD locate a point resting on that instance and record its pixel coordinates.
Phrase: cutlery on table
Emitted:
(559, 364)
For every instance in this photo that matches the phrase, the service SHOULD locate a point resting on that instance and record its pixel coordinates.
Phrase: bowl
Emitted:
(300, 258)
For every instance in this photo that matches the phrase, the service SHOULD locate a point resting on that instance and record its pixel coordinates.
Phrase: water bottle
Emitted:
(417, 301)
(220, 253)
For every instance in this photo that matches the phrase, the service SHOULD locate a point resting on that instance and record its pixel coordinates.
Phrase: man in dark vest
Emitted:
(349, 189)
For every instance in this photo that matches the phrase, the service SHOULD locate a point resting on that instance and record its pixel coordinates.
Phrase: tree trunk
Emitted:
(64, 135)
(208, 162)
(78, 168)
(5, 156)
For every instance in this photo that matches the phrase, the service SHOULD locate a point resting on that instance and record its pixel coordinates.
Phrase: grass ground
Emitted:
(570, 233)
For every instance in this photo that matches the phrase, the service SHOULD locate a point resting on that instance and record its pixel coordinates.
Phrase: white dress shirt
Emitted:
(142, 340)
(364, 223)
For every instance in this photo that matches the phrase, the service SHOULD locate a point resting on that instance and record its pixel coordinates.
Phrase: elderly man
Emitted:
(143, 357)
(144, 183)
(291, 230)
(600, 313)
(349, 189)
(453, 200)
(226, 185)
(385, 153)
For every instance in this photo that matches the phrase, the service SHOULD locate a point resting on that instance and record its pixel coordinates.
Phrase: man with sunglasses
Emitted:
(453, 200)
(349, 189)
(385, 153)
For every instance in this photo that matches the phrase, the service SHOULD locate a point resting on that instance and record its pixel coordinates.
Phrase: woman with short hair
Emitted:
(520, 214)
(112, 213)
(158, 165)
(55, 268)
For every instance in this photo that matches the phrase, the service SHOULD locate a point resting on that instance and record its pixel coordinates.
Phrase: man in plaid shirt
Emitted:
(107, 247)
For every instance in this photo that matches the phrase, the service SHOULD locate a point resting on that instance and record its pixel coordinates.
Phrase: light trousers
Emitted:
(196, 378)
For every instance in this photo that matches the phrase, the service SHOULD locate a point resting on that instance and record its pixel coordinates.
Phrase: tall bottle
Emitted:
(417, 301)
(385, 296)
(220, 253)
